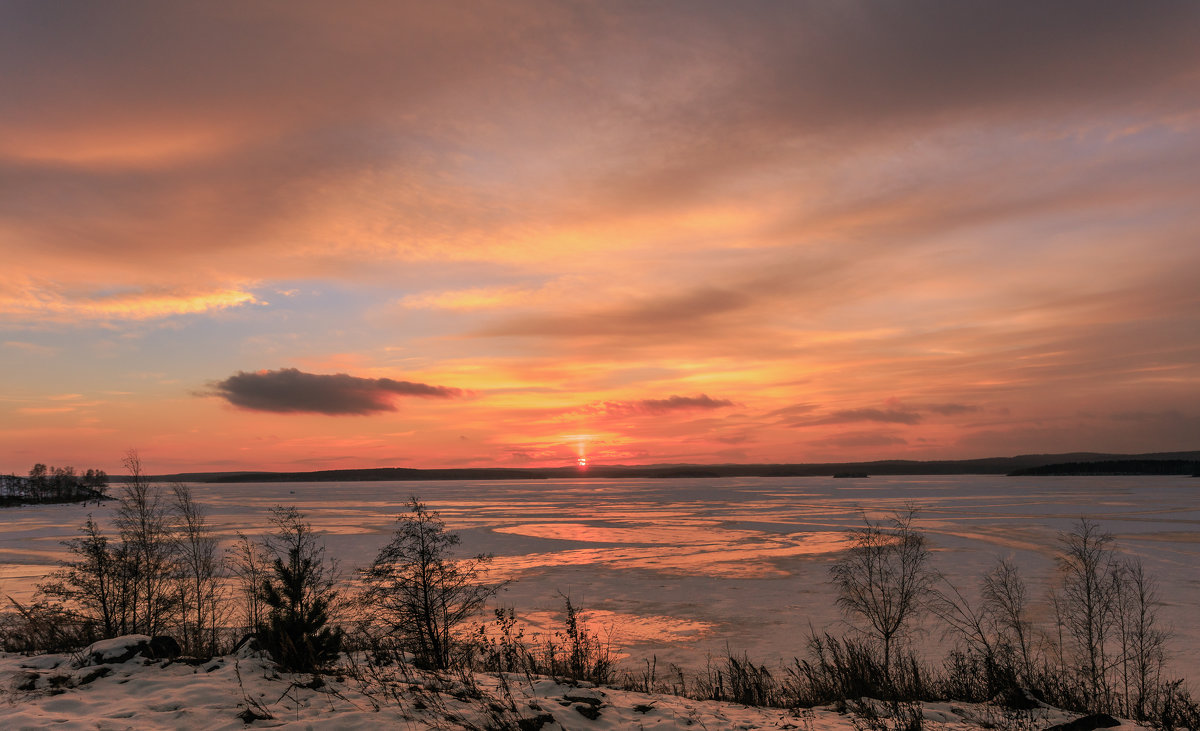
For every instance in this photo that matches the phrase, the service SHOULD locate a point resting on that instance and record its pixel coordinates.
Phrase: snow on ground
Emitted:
(244, 690)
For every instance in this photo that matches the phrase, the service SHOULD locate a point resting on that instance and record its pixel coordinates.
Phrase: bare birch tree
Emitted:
(1143, 642)
(148, 560)
(883, 577)
(249, 562)
(200, 592)
(1086, 607)
(1005, 599)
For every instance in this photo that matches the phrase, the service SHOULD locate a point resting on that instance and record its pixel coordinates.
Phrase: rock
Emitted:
(94, 674)
(43, 662)
(588, 711)
(164, 647)
(592, 698)
(534, 723)
(125, 648)
(116, 650)
(249, 647)
(1019, 699)
(1087, 723)
(25, 681)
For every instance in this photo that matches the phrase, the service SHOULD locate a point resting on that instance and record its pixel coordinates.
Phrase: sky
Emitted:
(316, 235)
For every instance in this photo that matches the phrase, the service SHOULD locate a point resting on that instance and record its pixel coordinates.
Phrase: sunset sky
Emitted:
(315, 235)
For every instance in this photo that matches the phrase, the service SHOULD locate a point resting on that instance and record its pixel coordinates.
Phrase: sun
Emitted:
(581, 445)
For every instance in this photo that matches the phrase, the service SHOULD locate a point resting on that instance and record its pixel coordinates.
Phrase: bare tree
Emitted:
(972, 623)
(417, 593)
(883, 577)
(250, 563)
(147, 553)
(1086, 608)
(199, 587)
(1005, 599)
(1143, 642)
(87, 586)
(996, 630)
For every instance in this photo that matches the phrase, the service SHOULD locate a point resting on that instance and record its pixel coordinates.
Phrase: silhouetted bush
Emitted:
(416, 595)
(739, 680)
(42, 627)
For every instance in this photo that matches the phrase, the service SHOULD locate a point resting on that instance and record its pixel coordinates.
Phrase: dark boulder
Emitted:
(583, 695)
(25, 680)
(534, 723)
(163, 647)
(249, 646)
(117, 650)
(94, 674)
(1018, 699)
(1087, 723)
(123, 649)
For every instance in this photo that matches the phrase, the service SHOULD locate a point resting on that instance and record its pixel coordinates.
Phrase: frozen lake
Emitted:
(682, 568)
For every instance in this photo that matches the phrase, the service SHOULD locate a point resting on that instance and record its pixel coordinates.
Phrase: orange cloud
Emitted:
(824, 216)
(39, 304)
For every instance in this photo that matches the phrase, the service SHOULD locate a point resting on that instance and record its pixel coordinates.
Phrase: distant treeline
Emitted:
(1115, 467)
(987, 466)
(53, 485)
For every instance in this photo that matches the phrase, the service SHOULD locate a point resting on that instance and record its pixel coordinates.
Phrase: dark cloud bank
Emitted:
(680, 403)
(654, 406)
(289, 390)
(902, 415)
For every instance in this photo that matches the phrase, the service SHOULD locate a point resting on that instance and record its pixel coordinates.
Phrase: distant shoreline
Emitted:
(1090, 464)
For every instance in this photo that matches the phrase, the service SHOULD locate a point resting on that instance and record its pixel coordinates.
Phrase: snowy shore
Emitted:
(117, 687)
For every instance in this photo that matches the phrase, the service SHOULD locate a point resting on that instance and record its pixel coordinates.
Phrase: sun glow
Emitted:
(581, 443)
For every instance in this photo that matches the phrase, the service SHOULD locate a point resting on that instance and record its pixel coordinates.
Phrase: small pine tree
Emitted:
(299, 596)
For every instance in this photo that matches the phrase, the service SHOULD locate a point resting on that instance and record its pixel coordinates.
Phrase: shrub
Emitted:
(574, 652)
(417, 595)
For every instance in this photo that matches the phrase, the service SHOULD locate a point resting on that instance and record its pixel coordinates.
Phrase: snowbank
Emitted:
(243, 690)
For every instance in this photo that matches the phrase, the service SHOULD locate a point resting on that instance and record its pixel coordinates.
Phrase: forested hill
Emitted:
(1115, 467)
(1157, 464)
